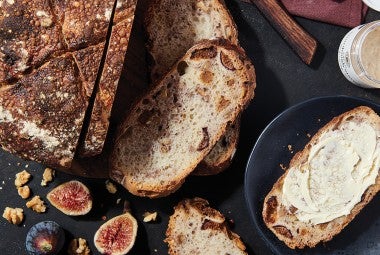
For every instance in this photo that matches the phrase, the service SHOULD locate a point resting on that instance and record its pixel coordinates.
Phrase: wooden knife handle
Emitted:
(299, 40)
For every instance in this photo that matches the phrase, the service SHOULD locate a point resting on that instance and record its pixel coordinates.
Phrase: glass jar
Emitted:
(359, 55)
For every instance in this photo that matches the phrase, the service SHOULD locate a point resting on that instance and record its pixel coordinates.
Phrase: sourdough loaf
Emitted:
(196, 20)
(195, 228)
(177, 123)
(50, 53)
(328, 182)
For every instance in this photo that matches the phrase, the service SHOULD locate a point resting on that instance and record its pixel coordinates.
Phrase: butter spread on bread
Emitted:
(327, 183)
(340, 167)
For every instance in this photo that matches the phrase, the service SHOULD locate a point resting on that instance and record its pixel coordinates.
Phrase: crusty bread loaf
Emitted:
(177, 123)
(195, 228)
(298, 228)
(221, 155)
(197, 20)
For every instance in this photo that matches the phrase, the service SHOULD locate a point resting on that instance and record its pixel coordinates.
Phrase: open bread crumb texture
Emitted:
(183, 23)
(174, 126)
(196, 229)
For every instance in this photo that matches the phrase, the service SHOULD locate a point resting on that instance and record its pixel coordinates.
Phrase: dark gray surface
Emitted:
(282, 81)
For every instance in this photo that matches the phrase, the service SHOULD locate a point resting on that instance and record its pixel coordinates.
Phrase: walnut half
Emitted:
(13, 215)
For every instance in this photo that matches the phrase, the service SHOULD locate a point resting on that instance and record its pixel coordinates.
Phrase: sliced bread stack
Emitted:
(174, 126)
(172, 28)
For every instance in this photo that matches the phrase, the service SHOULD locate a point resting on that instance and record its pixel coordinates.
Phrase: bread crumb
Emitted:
(282, 167)
(150, 216)
(111, 187)
(47, 176)
(22, 178)
(36, 204)
(24, 191)
(78, 246)
(290, 148)
(308, 135)
(118, 201)
(13, 215)
(104, 217)
(155, 250)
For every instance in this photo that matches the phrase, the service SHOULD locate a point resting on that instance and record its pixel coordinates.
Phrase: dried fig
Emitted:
(116, 236)
(72, 198)
(45, 238)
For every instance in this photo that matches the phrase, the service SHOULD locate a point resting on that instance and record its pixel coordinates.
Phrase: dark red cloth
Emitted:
(347, 13)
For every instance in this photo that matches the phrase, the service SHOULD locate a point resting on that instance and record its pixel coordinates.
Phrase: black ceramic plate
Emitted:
(291, 128)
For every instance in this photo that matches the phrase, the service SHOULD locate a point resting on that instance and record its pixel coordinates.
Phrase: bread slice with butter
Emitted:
(328, 182)
(173, 127)
(195, 228)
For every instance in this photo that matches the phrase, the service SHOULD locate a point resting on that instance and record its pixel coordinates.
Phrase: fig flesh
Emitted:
(45, 238)
(72, 198)
(117, 236)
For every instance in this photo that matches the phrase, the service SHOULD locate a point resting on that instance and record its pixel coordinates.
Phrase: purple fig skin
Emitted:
(45, 238)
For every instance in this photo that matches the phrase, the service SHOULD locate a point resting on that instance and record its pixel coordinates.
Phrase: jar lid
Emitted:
(373, 4)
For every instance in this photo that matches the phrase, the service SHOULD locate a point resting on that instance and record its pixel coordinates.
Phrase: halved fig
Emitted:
(117, 236)
(72, 198)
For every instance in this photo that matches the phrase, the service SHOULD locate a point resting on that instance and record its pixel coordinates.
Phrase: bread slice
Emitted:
(174, 26)
(197, 20)
(177, 123)
(221, 155)
(41, 115)
(297, 227)
(195, 228)
(97, 129)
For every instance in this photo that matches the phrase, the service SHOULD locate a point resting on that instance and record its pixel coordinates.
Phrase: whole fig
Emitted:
(45, 238)
(72, 198)
(117, 236)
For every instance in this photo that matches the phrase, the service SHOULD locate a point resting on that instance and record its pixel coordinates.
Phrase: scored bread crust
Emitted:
(284, 224)
(150, 184)
(212, 223)
(221, 155)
